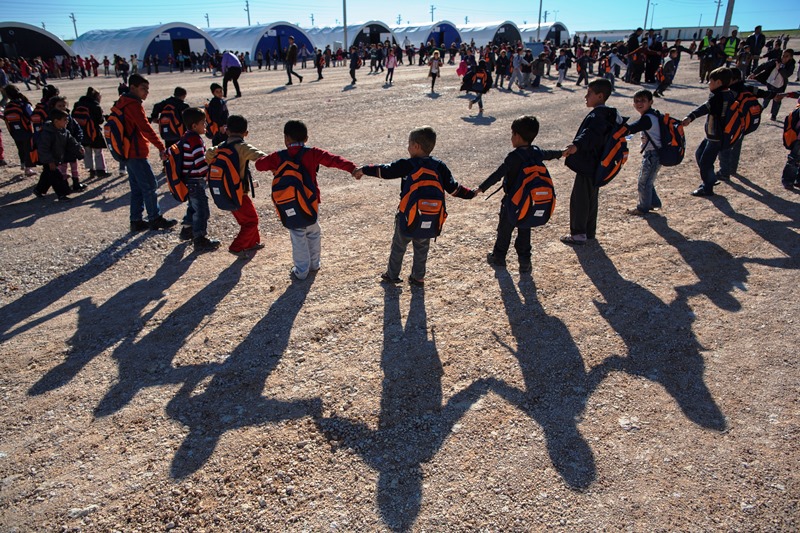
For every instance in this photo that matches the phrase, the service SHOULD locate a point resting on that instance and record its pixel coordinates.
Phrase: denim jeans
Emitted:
(305, 249)
(648, 198)
(791, 171)
(197, 212)
(729, 159)
(399, 245)
(478, 100)
(705, 155)
(143, 190)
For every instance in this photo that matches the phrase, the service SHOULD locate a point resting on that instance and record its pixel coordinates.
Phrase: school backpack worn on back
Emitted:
(211, 127)
(673, 140)
(225, 180)
(173, 168)
(614, 154)
(38, 118)
(83, 116)
(17, 121)
(118, 142)
(293, 192)
(170, 124)
(531, 198)
(479, 80)
(791, 128)
(750, 110)
(422, 207)
(733, 124)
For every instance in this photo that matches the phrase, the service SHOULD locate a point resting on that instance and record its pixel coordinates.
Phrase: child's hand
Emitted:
(686, 122)
(569, 150)
(358, 173)
(476, 192)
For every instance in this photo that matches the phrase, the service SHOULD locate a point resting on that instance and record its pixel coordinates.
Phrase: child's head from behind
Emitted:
(194, 119)
(237, 125)
(59, 118)
(421, 141)
(719, 77)
(179, 92)
(524, 130)
(58, 102)
(642, 100)
(295, 131)
(216, 87)
(598, 92)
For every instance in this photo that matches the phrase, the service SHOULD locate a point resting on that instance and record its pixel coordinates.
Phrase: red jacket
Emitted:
(312, 159)
(138, 127)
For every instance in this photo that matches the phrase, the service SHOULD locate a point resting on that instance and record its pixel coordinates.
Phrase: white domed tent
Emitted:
(490, 32)
(145, 41)
(264, 37)
(372, 32)
(556, 33)
(443, 33)
(18, 39)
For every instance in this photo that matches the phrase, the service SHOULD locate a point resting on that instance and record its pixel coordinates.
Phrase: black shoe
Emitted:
(386, 279)
(162, 223)
(3, 162)
(139, 225)
(77, 187)
(495, 261)
(700, 191)
(416, 282)
(64, 198)
(301, 79)
(290, 83)
(204, 244)
(525, 267)
(37, 194)
(186, 233)
(92, 174)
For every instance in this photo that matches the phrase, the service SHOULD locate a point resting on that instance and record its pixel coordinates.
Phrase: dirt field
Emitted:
(645, 382)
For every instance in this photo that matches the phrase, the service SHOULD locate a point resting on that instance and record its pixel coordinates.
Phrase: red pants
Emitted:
(247, 218)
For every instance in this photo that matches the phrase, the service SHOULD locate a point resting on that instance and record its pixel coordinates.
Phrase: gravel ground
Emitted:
(643, 383)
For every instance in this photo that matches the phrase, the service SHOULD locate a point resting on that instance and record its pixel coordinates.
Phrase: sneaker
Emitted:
(636, 213)
(139, 225)
(204, 244)
(301, 79)
(37, 194)
(63, 198)
(471, 103)
(386, 279)
(102, 174)
(92, 174)
(30, 172)
(77, 187)
(525, 267)
(162, 223)
(123, 172)
(186, 233)
(416, 282)
(294, 276)
(3, 162)
(700, 191)
(495, 261)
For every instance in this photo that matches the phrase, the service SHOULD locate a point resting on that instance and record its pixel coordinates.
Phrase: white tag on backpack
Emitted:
(215, 190)
(538, 212)
(426, 224)
(290, 212)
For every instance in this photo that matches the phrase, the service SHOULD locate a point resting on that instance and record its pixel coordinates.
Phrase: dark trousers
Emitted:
(290, 72)
(505, 229)
(583, 207)
(705, 155)
(232, 74)
(791, 171)
(52, 178)
(400, 242)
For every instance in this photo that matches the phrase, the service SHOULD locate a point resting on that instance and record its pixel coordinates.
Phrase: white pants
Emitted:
(93, 159)
(305, 249)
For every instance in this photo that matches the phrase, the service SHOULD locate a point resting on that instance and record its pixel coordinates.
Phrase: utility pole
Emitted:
(208, 24)
(247, 8)
(719, 4)
(653, 15)
(539, 25)
(726, 25)
(399, 20)
(555, 15)
(344, 15)
(74, 24)
(312, 20)
(43, 26)
(700, 24)
(432, 10)
(545, 16)
(466, 20)
(646, 12)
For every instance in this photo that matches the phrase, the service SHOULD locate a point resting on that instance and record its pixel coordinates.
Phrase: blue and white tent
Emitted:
(264, 37)
(368, 33)
(443, 33)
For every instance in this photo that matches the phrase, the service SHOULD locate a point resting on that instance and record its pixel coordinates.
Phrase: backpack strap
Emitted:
(247, 175)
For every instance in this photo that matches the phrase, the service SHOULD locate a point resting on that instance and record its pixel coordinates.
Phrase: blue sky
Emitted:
(576, 14)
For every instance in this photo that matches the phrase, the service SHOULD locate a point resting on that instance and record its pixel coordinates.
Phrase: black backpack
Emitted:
(530, 199)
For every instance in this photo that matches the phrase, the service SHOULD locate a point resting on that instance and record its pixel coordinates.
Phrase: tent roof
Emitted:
(246, 38)
(28, 27)
(417, 32)
(129, 41)
(322, 37)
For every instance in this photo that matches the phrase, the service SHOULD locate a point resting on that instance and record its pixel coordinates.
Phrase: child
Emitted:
(480, 82)
(218, 112)
(194, 174)
(55, 144)
(435, 66)
(582, 67)
(561, 64)
(502, 66)
(391, 63)
(355, 64)
(17, 115)
(93, 140)
(175, 105)
(523, 131)
(668, 72)
(791, 136)
(248, 238)
(648, 125)
(60, 103)
(584, 157)
(421, 142)
(716, 108)
(306, 240)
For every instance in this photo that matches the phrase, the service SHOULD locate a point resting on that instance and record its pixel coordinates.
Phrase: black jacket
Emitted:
(591, 138)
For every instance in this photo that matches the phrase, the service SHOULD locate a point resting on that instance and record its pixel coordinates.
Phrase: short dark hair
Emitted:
(296, 130)
(527, 127)
(722, 74)
(643, 93)
(237, 124)
(425, 137)
(736, 75)
(192, 116)
(137, 79)
(51, 103)
(601, 86)
(178, 92)
(215, 86)
(49, 91)
(57, 114)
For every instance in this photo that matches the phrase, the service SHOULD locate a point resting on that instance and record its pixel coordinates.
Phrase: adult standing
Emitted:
(231, 70)
(291, 59)
(732, 47)
(140, 176)
(756, 42)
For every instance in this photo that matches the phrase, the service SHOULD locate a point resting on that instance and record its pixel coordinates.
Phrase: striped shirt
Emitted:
(194, 157)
